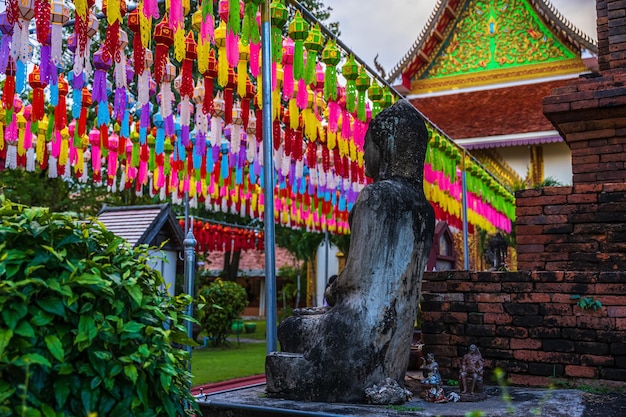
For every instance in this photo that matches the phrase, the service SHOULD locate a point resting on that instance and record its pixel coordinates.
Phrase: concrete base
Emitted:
(526, 402)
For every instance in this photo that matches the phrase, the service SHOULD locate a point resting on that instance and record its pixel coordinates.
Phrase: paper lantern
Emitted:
(134, 24)
(60, 14)
(34, 80)
(314, 44)
(42, 20)
(279, 15)
(164, 38)
(330, 57)
(350, 71)
(250, 28)
(298, 32)
(362, 85)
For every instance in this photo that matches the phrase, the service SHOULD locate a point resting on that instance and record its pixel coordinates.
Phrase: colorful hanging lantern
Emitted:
(20, 47)
(8, 91)
(209, 75)
(42, 20)
(229, 11)
(187, 87)
(330, 57)
(60, 111)
(7, 35)
(242, 69)
(250, 29)
(134, 24)
(279, 15)
(375, 94)
(222, 61)
(314, 44)
(167, 97)
(164, 38)
(102, 61)
(350, 71)
(60, 14)
(298, 31)
(34, 79)
(362, 84)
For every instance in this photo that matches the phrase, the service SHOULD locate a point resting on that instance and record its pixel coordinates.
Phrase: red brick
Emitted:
(528, 211)
(616, 311)
(489, 298)
(599, 323)
(560, 321)
(610, 289)
(533, 297)
(591, 134)
(620, 324)
(522, 344)
(582, 198)
(521, 249)
(528, 230)
(614, 187)
(552, 191)
(576, 371)
(597, 360)
(490, 308)
(494, 318)
(587, 188)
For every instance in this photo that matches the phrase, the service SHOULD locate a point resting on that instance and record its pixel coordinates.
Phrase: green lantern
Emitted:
(298, 32)
(375, 94)
(330, 57)
(362, 84)
(387, 99)
(350, 71)
(314, 44)
(279, 15)
(249, 28)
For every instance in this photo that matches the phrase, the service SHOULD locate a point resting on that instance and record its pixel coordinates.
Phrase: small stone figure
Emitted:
(431, 371)
(471, 375)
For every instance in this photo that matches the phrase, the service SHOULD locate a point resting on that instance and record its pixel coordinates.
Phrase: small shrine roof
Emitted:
(150, 224)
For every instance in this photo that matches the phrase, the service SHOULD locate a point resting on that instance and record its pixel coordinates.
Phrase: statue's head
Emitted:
(395, 144)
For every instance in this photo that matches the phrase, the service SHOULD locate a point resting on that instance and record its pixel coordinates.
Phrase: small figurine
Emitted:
(431, 371)
(472, 369)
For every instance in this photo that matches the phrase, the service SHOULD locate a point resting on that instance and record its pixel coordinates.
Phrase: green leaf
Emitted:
(166, 381)
(135, 292)
(9, 318)
(90, 279)
(131, 372)
(53, 306)
(48, 411)
(31, 412)
(5, 338)
(24, 329)
(41, 318)
(34, 358)
(132, 327)
(55, 347)
(87, 329)
(61, 391)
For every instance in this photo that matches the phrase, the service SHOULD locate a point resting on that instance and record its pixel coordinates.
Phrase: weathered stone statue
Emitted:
(336, 353)
(471, 374)
(431, 371)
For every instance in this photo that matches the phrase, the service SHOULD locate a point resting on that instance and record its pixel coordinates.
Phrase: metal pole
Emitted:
(466, 263)
(268, 175)
(190, 261)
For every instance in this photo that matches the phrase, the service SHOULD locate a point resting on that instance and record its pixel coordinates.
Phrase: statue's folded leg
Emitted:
(298, 334)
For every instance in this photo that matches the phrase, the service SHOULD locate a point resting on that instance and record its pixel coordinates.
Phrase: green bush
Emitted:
(84, 327)
(220, 303)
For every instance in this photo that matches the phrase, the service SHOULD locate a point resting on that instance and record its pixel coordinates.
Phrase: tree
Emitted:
(219, 304)
(322, 13)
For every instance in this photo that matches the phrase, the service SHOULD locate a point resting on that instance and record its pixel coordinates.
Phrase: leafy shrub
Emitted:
(220, 303)
(84, 327)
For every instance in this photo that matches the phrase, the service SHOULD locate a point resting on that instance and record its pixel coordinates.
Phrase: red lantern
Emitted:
(34, 80)
(164, 37)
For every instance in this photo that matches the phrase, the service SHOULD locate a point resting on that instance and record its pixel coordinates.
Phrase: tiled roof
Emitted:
(252, 262)
(500, 111)
(141, 224)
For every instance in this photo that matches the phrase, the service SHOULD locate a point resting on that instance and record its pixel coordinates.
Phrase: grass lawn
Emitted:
(228, 362)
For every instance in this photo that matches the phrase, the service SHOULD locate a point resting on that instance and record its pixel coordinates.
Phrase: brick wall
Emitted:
(578, 228)
(527, 324)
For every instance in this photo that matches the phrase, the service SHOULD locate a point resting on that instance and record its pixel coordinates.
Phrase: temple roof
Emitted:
(490, 112)
(463, 38)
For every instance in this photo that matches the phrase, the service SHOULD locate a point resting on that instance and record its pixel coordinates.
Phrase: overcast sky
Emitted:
(390, 27)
